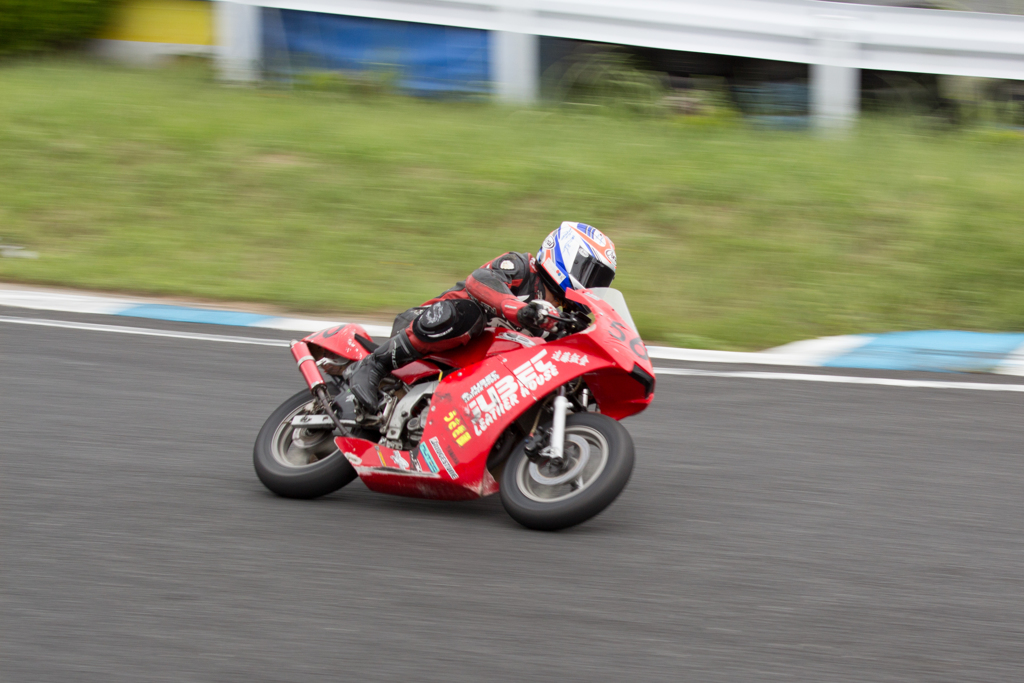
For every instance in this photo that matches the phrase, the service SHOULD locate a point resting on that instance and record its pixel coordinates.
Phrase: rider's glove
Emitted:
(538, 315)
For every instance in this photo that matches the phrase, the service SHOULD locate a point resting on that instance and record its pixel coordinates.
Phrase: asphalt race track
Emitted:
(773, 530)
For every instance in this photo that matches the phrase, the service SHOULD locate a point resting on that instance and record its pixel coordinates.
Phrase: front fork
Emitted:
(559, 409)
(554, 449)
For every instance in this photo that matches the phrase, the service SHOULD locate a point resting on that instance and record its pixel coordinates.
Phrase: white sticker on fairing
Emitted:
(575, 358)
(503, 395)
(428, 458)
(520, 339)
(535, 372)
(499, 399)
(443, 458)
(475, 390)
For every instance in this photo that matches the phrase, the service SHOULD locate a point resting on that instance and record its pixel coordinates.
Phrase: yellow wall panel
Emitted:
(185, 22)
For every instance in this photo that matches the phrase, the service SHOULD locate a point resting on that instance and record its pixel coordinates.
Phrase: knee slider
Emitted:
(448, 320)
(436, 322)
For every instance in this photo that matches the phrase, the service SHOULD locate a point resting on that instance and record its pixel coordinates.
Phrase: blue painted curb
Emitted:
(183, 314)
(933, 350)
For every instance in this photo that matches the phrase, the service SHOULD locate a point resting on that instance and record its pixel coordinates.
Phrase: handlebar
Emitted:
(569, 323)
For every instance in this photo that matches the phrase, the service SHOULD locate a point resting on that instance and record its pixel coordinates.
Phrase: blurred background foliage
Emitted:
(38, 25)
(605, 76)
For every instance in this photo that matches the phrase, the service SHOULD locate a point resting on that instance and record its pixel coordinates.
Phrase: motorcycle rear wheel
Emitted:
(299, 463)
(599, 461)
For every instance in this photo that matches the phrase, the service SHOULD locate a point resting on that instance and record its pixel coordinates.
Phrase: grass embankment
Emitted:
(163, 182)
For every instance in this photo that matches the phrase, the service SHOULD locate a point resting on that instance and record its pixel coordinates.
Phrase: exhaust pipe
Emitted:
(307, 366)
(317, 386)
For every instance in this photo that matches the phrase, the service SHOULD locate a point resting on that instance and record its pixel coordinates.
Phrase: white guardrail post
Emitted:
(834, 82)
(239, 42)
(515, 54)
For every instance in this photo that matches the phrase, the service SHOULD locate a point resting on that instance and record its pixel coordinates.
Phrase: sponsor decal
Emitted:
(575, 358)
(475, 390)
(443, 458)
(520, 339)
(441, 334)
(535, 372)
(488, 407)
(428, 458)
(402, 464)
(458, 430)
(507, 265)
(610, 254)
(502, 395)
(549, 242)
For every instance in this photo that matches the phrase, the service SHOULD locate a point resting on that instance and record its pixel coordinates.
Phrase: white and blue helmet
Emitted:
(577, 256)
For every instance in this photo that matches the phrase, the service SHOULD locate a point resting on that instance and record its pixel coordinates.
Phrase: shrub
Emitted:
(38, 25)
(606, 77)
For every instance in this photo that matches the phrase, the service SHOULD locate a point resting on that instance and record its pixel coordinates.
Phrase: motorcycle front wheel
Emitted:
(598, 463)
(298, 462)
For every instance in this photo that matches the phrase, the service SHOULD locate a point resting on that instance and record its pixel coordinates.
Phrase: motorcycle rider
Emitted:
(521, 290)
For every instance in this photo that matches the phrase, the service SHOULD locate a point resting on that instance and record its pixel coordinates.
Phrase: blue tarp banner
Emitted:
(428, 59)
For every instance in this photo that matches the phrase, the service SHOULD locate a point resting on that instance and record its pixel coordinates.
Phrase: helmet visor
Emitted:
(592, 273)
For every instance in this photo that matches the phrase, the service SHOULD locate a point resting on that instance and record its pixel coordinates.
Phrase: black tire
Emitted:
(521, 494)
(296, 480)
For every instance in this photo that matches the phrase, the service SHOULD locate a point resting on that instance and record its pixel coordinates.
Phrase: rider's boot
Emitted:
(365, 379)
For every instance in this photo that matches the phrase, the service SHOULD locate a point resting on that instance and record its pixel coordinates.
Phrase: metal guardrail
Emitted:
(805, 31)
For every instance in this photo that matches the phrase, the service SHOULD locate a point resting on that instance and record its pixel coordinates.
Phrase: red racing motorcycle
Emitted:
(533, 419)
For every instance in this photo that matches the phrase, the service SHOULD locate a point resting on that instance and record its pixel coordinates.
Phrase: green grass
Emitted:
(165, 182)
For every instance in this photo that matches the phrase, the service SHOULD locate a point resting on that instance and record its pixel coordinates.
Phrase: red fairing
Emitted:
(415, 474)
(473, 406)
(340, 340)
(618, 395)
(307, 366)
(416, 372)
(469, 410)
(504, 373)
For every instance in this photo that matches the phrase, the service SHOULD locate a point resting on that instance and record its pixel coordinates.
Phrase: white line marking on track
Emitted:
(145, 331)
(843, 379)
(683, 372)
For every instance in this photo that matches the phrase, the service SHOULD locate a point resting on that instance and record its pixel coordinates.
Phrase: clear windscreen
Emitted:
(614, 298)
